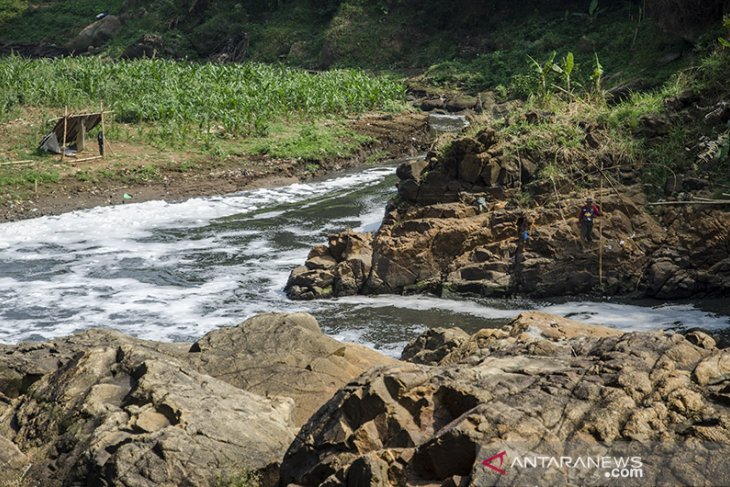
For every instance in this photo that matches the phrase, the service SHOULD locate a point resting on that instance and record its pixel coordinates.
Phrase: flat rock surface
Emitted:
(278, 355)
(102, 408)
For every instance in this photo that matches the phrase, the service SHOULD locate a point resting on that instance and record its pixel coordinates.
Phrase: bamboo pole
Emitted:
(65, 126)
(600, 231)
(11, 163)
(109, 146)
(78, 115)
(88, 159)
(715, 202)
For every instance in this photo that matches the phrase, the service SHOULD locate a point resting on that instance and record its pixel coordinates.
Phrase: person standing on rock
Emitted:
(588, 212)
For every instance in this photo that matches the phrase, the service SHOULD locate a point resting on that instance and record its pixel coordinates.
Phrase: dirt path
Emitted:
(395, 136)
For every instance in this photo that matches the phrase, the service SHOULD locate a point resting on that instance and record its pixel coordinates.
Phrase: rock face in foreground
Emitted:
(122, 413)
(101, 408)
(541, 386)
(284, 355)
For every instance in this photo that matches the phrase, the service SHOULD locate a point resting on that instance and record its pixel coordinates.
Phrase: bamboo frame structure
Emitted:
(80, 125)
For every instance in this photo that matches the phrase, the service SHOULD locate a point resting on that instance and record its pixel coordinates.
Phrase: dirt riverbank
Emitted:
(394, 136)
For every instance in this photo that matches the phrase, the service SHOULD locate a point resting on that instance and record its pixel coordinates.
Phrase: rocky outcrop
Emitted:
(542, 387)
(432, 346)
(338, 269)
(127, 414)
(96, 34)
(102, 408)
(459, 225)
(283, 355)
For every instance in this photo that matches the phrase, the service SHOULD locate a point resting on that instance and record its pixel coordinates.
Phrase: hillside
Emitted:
(470, 44)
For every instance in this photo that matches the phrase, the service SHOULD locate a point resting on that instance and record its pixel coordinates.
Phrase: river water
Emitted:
(174, 271)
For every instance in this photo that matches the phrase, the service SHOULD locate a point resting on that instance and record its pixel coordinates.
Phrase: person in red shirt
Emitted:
(588, 212)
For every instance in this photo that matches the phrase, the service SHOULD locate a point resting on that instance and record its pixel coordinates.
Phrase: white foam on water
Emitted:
(108, 266)
(174, 271)
(640, 318)
(423, 303)
(359, 336)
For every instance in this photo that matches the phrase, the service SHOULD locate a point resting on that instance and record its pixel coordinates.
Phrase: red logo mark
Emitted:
(488, 462)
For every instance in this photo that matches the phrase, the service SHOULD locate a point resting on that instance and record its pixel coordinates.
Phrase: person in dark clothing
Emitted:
(588, 212)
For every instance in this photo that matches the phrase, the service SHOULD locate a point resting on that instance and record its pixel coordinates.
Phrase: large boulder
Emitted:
(95, 34)
(283, 355)
(543, 388)
(122, 412)
(338, 269)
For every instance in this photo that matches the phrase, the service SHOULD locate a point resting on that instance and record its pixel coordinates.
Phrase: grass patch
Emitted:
(315, 141)
(27, 177)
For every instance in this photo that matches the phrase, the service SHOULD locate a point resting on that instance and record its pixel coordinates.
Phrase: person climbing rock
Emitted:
(588, 212)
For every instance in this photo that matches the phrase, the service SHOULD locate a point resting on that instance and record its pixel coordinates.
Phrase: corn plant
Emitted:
(185, 100)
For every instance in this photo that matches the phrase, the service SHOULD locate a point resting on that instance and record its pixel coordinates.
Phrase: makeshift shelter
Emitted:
(69, 133)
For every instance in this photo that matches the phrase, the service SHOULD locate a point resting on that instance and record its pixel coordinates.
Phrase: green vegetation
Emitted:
(11, 177)
(188, 100)
(32, 21)
(570, 134)
(468, 44)
(183, 116)
(310, 141)
(628, 45)
(244, 478)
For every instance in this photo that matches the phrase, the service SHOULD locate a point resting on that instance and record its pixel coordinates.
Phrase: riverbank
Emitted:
(100, 407)
(149, 173)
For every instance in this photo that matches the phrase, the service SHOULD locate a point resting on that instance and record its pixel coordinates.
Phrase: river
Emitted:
(174, 271)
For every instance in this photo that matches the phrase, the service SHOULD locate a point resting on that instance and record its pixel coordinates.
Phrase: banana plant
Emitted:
(597, 76)
(567, 70)
(543, 72)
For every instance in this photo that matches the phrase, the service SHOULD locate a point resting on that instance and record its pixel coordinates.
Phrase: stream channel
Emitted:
(174, 271)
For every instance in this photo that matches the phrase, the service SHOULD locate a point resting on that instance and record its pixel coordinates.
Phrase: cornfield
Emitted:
(185, 99)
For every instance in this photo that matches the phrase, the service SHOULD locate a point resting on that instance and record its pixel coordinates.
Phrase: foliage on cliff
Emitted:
(465, 43)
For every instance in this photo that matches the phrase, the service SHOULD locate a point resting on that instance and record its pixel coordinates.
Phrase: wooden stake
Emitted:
(600, 232)
(65, 123)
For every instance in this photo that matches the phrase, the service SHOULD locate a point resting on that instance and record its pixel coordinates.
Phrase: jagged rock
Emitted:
(433, 345)
(534, 252)
(122, 411)
(96, 34)
(411, 170)
(283, 355)
(567, 390)
(340, 269)
(429, 104)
